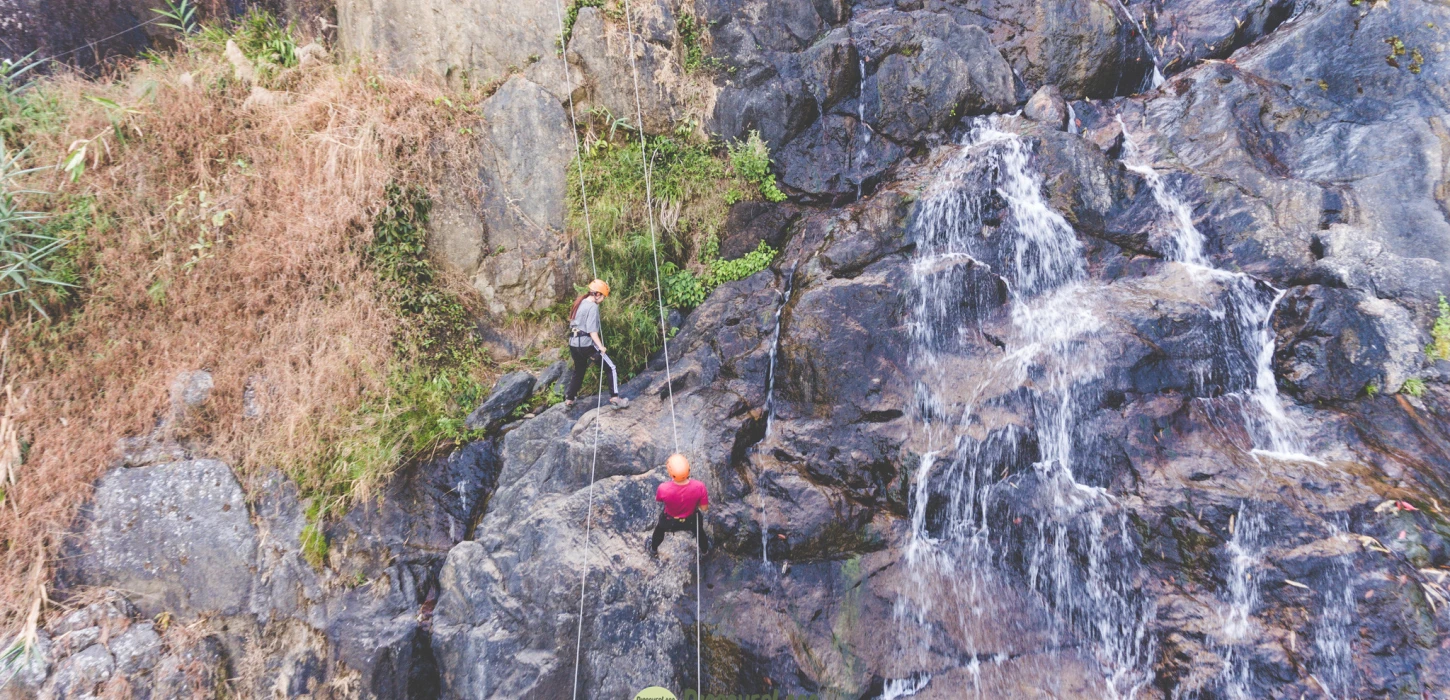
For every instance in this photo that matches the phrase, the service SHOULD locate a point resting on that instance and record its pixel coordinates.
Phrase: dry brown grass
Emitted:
(283, 299)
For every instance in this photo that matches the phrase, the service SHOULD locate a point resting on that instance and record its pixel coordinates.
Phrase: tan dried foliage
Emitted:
(280, 298)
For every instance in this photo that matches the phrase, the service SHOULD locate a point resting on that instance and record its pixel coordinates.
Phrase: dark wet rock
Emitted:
(1187, 32)
(376, 631)
(1085, 47)
(925, 72)
(425, 509)
(553, 374)
(836, 157)
(508, 393)
(1048, 107)
(84, 31)
(177, 536)
(751, 223)
(1337, 344)
(831, 69)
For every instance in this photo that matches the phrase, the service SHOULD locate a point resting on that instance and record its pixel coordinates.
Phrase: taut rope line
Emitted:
(664, 329)
(599, 394)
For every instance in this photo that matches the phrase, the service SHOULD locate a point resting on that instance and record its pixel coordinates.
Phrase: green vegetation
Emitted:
(1371, 389)
(694, 57)
(270, 45)
(31, 260)
(1439, 347)
(751, 159)
(685, 290)
(692, 185)
(1414, 386)
(429, 390)
(180, 16)
(312, 539)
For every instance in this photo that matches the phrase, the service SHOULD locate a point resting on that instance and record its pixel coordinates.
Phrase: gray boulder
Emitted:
(177, 536)
(526, 153)
(81, 674)
(603, 48)
(478, 39)
(508, 393)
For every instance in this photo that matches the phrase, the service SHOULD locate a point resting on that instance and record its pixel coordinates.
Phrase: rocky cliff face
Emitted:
(1126, 395)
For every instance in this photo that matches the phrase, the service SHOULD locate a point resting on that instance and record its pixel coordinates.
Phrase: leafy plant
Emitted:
(1371, 389)
(312, 538)
(74, 164)
(267, 43)
(685, 290)
(432, 384)
(694, 58)
(26, 253)
(181, 15)
(751, 159)
(1439, 347)
(1414, 386)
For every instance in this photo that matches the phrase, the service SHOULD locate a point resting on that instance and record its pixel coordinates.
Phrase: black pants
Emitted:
(689, 524)
(583, 357)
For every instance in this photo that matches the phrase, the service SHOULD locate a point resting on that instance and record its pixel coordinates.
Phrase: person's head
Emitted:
(678, 467)
(599, 289)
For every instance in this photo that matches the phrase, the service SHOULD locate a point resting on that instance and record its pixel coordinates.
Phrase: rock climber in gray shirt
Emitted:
(585, 346)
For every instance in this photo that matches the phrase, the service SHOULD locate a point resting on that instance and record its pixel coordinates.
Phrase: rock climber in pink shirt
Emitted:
(685, 501)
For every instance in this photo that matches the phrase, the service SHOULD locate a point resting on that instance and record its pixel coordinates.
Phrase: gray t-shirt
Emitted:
(586, 319)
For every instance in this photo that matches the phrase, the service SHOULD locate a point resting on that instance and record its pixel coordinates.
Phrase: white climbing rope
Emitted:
(664, 326)
(649, 201)
(664, 329)
(599, 393)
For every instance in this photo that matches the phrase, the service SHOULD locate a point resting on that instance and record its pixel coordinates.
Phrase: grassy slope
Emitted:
(209, 233)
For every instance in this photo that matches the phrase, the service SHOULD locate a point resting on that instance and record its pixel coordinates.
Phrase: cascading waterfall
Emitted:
(1051, 352)
(1245, 558)
(861, 124)
(1272, 430)
(1156, 78)
(1274, 433)
(770, 411)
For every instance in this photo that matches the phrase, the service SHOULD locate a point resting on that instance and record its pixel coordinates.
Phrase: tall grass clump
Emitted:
(276, 245)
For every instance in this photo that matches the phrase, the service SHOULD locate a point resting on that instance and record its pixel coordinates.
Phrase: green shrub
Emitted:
(692, 33)
(691, 179)
(312, 538)
(1414, 386)
(432, 384)
(684, 290)
(29, 251)
(270, 45)
(1439, 347)
(751, 160)
(180, 16)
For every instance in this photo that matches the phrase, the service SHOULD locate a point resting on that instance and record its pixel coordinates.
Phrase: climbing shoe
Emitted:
(618, 402)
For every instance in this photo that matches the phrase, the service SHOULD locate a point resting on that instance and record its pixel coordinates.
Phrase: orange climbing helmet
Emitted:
(599, 287)
(678, 466)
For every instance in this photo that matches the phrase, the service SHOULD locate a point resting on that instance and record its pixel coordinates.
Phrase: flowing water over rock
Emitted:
(984, 219)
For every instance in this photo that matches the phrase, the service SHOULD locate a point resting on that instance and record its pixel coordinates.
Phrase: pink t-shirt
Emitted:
(681, 499)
